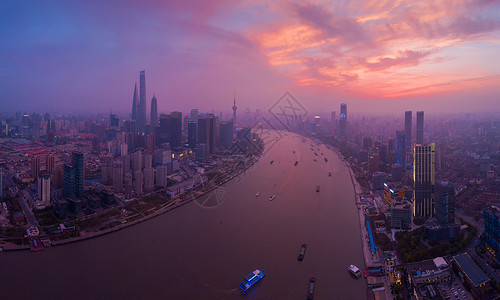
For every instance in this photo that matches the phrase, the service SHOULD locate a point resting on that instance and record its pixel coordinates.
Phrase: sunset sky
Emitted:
(375, 55)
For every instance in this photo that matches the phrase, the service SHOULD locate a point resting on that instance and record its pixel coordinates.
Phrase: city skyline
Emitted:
(376, 57)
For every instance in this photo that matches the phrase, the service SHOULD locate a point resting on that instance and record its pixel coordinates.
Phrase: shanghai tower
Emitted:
(141, 117)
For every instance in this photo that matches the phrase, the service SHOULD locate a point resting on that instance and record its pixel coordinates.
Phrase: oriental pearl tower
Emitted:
(234, 114)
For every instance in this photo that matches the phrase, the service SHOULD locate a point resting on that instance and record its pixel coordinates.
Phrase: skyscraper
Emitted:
(107, 170)
(408, 115)
(226, 134)
(445, 203)
(78, 167)
(44, 190)
(424, 180)
(149, 179)
(170, 130)
(117, 177)
(420, 127)
(69, 181)
(154, 112)
(50, 163)
(401, 148)
(138, 183)
(141, 117)
(2, 175)
(343, 121)
(135, 104)
(35, 167)
(234, 113)
(192, 134)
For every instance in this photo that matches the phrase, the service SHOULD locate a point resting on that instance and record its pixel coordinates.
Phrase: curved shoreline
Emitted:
(163, 210)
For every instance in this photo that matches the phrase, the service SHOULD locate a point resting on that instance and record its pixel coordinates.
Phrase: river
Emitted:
(200, 252)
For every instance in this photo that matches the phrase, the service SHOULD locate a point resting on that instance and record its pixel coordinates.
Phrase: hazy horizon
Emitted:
(377, 57)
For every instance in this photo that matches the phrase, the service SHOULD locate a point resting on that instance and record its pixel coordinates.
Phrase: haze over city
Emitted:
(250, 149)
(377, 56)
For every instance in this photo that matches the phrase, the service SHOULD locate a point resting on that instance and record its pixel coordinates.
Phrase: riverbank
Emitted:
(166, 207)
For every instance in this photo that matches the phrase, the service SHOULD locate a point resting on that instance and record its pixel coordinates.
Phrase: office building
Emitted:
(396, 173)
(408, 123)
(343, 121)
(424, 180)
(2, 175)
(69, 181)
(420, 127)
(141, 117)
(170, 130)
(401, 215)
(443, 226)
(192, 134)
(206, 132)
(401, 148)
(491, 236)
(226, 134)
(154, 112)
(77, 159)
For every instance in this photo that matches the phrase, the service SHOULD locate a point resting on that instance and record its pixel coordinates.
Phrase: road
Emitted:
(23, 202)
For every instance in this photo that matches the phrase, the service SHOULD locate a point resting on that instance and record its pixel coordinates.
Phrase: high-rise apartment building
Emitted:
(138, 183)
(35, 167)
(50, 163)
(424, 180)
(117, 177)
(43, 190)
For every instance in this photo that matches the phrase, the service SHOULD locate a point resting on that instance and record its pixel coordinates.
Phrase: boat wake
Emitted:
(219, 290)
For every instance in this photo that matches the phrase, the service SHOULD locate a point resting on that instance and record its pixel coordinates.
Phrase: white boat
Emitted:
(257, 195)
(271, 198)
(354, 271)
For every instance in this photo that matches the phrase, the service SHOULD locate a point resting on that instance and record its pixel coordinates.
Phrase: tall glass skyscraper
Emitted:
(78, 166)
(424, 180)
(343, 121)
(69, 181)
(420, 127)
(141, 117)
(408, 115)
(154, 112)
(401, 148)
